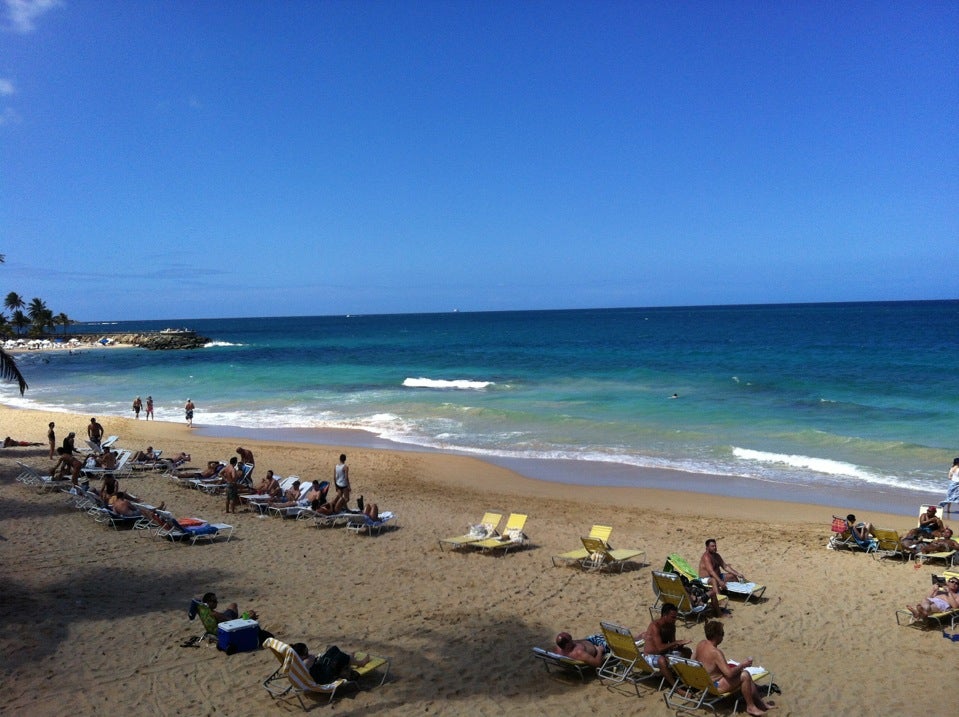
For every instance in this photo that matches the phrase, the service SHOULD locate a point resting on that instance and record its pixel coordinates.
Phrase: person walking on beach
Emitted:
(137, 405)
(189, 408)
(341, 479)
(150, 408)
(952, 495)
(52, 438)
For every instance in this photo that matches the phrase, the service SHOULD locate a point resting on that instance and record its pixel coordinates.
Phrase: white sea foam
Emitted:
(214, 344)
(824, 466)
(443, 383)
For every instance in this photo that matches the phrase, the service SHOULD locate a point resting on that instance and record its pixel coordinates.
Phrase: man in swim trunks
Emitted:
(246, 456)
(341, 479)
(941, 599)
(660, 640)
(591, 650)
(188, 409)
(229, 477)
(95, 432)
(728, 677)
(711, 565)
(930, 524)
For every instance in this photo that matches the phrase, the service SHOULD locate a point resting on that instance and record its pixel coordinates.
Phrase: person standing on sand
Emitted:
(150, 408)
(189, 408)
(228, 475)
(52, 438)
(95, 432)
(952, 495)
(341, 479)
(137, 405)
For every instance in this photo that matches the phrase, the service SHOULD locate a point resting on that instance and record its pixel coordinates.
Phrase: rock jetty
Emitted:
(162, 341)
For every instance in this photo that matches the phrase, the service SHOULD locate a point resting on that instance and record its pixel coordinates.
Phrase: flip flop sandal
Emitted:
(192, 642)
(774, 689)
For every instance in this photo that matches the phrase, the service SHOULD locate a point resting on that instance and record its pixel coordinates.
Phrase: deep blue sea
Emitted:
(861, 396)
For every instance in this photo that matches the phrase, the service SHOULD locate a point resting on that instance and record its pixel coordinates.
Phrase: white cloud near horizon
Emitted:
(23, 14)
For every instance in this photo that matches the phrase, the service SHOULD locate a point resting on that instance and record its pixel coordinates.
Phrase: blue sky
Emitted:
(239, 158)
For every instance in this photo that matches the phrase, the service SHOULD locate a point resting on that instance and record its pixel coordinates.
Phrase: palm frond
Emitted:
(10, 372)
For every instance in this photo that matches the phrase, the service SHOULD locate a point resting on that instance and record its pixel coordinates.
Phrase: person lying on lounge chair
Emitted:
(147, 456)
(175, 462)
(106, 460)
(317, 492)
(122, 504)
(943, 544)
(8, 442)
(941, 599)
(591, 650)
(331, 665)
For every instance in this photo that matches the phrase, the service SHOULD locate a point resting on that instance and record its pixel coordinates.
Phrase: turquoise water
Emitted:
(862, 396)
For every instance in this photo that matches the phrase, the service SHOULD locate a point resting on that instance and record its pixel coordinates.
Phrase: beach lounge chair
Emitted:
(844, 538)
(95, 473)
(486, 528)
(322, 520)
(210, 625)
(694, 689)
(185, 529)
(669, 587)
(293, 679)
(889, 545)
(512, 537)
(360, 523)
(625, 654)
(597, 532)
(563, 663)
(676, 563)
(601, 556)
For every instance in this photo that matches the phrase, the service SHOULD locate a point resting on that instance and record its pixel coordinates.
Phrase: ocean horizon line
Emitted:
(651, 307)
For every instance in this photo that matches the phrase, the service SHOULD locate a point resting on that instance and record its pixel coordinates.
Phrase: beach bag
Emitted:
(698, 593)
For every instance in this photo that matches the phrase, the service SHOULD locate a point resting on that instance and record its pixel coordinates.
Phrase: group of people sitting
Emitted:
(314, 497)
(660, 644)
(930, 536)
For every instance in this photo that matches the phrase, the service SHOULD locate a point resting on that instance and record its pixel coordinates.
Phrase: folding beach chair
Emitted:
(486, 528)
(694, 688)
(597, 532)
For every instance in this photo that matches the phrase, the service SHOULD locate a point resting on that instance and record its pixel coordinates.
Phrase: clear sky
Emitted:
(180, 159)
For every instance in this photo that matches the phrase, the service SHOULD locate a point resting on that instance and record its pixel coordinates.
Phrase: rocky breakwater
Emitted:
(163, 341)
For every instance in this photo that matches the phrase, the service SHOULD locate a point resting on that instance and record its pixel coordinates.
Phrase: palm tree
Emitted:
(14, 301)
(8, 367)
(36, 309)
(63, 320)
(20, 320)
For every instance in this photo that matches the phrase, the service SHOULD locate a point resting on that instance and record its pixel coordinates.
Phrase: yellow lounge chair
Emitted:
(624, 653)
(562, 662)
(600, 555)
(694, 688)
(512, 537)
(669, 588)
(486, 528)
(889, 544)
(599, 532)
(292, 678)
(625, 662)
(937, 620)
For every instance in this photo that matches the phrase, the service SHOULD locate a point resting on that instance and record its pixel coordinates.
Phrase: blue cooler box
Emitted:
(240, 635)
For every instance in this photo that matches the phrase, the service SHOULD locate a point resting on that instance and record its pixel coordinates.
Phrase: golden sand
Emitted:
(93, 618)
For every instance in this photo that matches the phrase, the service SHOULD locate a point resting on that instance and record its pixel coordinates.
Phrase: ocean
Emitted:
(792, 401)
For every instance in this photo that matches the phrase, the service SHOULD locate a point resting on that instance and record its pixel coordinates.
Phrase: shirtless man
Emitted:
(188, 410)
(269, 486)
(95, 431)
(660, 640)
(728, 677)
(591, 650)
(229, 477)
(929, 523)
(246, 456)
(107, 460)
(67, 461)
(941, 599)
(122, 505)
(943, 544)
(711, 565)
(9, 442)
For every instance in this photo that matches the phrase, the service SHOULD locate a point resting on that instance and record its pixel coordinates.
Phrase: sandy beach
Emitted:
(94, 618)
